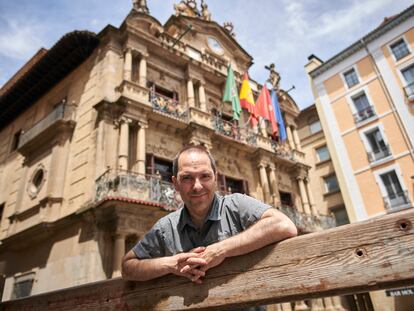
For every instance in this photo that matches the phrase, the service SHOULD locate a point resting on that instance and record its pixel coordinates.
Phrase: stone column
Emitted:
(328, 304)
(141, 148)
(296, 139)
(290, 137)
(286, 306)
(312, 204)
(264, 182)
(202, 97)
(128, 64)
(336, 300)
(317, 304)
(143, 70)
(190, 93)
(301, 306)
(118, 253)
(123, 144)
(303, 196)
(273, 184)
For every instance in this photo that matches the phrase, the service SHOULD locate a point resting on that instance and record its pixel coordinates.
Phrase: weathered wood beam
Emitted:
(370, 255)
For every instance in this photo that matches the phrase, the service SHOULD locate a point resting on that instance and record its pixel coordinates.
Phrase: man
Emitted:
(208, 229)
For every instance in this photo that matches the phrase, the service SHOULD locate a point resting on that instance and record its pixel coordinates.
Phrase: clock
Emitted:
(215, 46)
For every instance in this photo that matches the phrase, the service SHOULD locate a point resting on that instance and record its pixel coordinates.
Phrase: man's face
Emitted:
(195, 181)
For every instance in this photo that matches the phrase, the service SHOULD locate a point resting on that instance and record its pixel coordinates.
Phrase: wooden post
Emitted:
(371, 255)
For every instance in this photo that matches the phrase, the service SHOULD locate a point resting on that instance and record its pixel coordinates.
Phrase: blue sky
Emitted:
(285, 32)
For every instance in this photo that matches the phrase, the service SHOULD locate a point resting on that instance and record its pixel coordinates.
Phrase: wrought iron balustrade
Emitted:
(364, 114)
(228, 129)
(167, 105)
(60, 112)
(127, 184)
(409, 91)
(379, 154)
(397, 200)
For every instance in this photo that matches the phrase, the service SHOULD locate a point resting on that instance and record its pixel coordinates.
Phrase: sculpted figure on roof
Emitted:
(274, 77)
(187, 8)
(140, 6)
(205, 13)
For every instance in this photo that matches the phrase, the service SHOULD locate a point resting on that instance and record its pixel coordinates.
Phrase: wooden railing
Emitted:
(371, 255)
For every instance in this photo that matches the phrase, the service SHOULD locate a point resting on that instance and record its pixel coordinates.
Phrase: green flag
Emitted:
(231, 94)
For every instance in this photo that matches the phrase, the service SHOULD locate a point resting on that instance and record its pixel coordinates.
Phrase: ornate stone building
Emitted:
(88, 131)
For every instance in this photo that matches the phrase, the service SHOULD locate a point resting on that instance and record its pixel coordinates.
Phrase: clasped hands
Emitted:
(194, 264)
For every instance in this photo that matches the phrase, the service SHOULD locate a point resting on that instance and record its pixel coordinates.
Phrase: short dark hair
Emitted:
(197, 149)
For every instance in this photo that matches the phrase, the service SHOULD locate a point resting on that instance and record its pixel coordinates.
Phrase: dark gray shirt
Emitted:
(176, 233)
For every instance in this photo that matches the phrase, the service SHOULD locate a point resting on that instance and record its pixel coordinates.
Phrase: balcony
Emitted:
(242, 134)
(379, 154)
(305, 222)
(127, 184)
(364, 114)
(168, 106)
(59, 121)
(409, 91)
(397, 201)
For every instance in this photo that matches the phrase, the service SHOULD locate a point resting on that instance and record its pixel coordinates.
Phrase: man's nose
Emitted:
(197, 184)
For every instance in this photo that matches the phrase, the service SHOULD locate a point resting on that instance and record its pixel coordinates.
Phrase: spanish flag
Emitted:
(247, 100)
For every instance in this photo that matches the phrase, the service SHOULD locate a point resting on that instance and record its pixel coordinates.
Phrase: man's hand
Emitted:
(212, 255)
(179, 261)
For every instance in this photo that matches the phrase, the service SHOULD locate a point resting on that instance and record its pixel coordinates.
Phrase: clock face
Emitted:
(214, 45)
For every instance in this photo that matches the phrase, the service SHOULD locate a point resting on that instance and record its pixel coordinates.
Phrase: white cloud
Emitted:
(19, 40)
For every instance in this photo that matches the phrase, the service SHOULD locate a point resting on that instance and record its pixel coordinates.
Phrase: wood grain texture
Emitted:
(375, 254)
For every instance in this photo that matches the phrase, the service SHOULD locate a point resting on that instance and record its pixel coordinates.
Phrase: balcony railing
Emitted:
(397, 201)
(136, 186)
(364, 114)
(379, 154)
(61, 111)
(282, 150)
(306, 222)
(409, 91)
(168, 105)
(242, 134)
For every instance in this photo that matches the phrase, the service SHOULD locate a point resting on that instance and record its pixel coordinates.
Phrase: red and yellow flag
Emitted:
(247, 99)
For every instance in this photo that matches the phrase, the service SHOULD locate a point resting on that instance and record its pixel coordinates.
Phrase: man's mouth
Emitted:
(197, 195)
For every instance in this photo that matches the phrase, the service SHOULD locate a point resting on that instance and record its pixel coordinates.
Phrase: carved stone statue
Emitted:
(187, 8)
(274, 77)
(229, 27)
(205, 13)
(140, 6)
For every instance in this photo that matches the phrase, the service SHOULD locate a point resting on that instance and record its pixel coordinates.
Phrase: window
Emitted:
(363, 108)
(395, 194)
(341, 216)
(331, 183)
(16, 140)
(351, 78)
(232, 185)
(322, 153)
(315, 127)
(159, 166)
(1, 211)
(36, 181)
(23, 285)
(408, 74)
(286, 198)
(377, 146)
(399, 49)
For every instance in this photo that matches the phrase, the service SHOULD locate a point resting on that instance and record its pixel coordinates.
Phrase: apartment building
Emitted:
(365, 104)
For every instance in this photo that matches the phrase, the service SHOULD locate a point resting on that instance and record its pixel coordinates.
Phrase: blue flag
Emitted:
(278, 115)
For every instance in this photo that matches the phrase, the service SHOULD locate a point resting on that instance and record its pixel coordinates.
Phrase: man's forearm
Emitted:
(266, 231)
(145, 269)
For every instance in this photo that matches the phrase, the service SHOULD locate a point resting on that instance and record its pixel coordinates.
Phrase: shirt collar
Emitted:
(213, 215)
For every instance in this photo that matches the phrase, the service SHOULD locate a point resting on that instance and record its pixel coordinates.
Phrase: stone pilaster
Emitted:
(303, 195)
(296, 139)
(118, 253)
(264, 182)
(312, 204)
(290, 137)
(141, 148)
(127, 64)
(274, 185)
(143, 70)
(202, 97)
(123, 144)
(190, 93)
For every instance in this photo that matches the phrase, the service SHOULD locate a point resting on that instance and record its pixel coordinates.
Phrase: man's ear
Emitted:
(175, 182)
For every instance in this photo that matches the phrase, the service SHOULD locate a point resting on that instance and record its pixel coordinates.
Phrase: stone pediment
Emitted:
(288, 104)
(143, 23)
(209, 37)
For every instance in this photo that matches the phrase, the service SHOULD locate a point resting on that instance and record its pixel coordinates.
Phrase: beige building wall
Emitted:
(373, 180)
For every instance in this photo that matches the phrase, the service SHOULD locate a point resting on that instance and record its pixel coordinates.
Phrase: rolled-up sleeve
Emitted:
(152, 245)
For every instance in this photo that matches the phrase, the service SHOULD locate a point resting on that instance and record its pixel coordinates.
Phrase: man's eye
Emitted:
(206, 177)
(186, 178)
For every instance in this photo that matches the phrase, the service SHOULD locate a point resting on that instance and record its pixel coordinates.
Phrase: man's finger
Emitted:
(198, 249)
(196, 261)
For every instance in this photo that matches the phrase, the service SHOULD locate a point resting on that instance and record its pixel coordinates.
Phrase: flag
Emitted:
(272, 114)
(231, 94)
(247, 100)
(262, 103)
(278, 115)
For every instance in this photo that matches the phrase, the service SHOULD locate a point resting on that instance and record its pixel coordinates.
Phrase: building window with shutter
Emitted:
(399, 49)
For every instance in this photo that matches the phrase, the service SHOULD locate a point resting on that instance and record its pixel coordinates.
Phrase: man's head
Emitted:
(194, 177)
